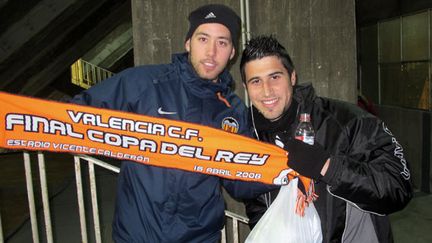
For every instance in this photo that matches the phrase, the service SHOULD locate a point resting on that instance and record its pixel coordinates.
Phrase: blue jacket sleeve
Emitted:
(112, 93)
(246, 190)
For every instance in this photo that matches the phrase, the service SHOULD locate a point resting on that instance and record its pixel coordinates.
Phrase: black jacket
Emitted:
(368, 176)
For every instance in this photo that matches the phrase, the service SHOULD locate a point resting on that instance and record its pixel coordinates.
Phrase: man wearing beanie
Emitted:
(156, 204)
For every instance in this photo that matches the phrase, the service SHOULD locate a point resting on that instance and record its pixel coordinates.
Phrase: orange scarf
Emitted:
(35, 124)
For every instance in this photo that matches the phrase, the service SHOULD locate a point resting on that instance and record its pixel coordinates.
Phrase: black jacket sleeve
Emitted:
(371, 172)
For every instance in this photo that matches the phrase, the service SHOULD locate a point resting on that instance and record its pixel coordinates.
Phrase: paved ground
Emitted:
(413, 224)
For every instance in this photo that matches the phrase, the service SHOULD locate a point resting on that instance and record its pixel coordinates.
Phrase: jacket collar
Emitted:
(305, 95)
(287, 118)
(200, 87)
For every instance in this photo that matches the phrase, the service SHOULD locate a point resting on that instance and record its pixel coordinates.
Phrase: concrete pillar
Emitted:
(160, 27)
(320, 37)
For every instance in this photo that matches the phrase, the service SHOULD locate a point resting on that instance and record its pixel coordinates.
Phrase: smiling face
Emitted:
(269, 85)
(210, 49)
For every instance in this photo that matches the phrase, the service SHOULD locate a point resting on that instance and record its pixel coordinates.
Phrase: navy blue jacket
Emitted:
(168, 205)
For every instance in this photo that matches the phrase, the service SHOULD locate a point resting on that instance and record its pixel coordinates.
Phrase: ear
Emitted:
(293, 78)
(247, 94)
(187, 45)
(232, 53)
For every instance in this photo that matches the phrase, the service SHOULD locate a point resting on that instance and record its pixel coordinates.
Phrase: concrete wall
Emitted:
(160, 27)
(319, 35)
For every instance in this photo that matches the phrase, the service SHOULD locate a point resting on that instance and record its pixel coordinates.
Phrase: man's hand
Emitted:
(309, 160)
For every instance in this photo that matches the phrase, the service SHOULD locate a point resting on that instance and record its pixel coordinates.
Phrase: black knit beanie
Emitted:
(215, 13)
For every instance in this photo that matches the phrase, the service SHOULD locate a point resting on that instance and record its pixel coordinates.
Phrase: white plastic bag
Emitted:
(280, 223)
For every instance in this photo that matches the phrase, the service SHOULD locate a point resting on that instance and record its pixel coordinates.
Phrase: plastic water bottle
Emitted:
(305, 131)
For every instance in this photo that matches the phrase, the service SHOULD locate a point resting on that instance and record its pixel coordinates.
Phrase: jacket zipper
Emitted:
(221, 98)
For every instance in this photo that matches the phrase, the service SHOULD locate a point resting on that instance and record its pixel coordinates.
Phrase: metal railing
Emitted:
(234, 218)
(1, 231)
(85, 74)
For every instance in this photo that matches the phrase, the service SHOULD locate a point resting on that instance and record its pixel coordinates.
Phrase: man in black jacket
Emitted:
(357, 164)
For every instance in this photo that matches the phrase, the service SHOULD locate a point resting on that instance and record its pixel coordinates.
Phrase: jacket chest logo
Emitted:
(163, 112)
(230, 124)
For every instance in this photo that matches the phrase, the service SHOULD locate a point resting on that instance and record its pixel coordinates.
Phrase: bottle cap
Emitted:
(304, 117)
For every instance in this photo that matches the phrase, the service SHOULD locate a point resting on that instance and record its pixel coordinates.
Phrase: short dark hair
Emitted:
(264, 46)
